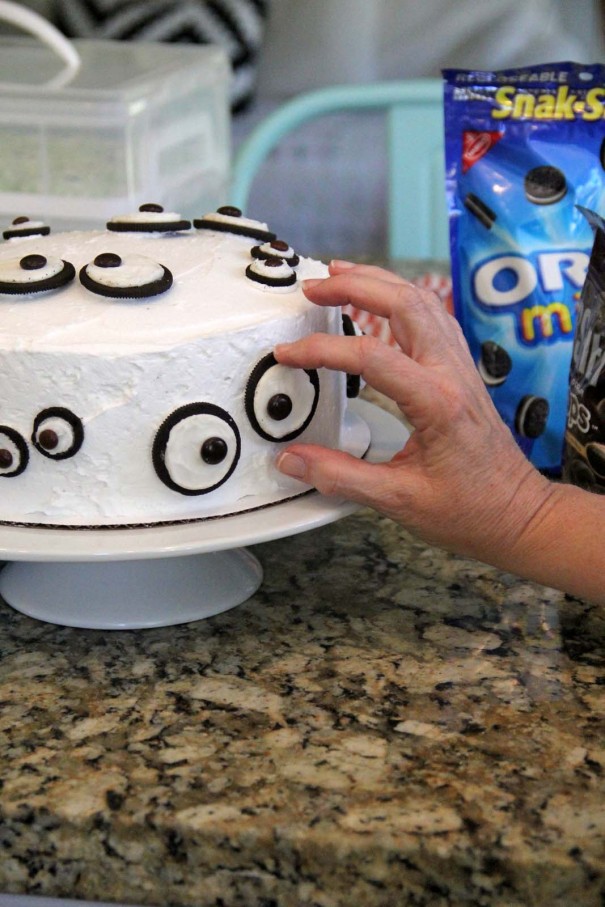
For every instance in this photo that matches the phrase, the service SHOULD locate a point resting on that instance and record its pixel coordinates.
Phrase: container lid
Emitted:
(108, 69)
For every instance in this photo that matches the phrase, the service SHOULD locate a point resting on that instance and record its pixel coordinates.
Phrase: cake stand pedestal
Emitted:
(123, 579)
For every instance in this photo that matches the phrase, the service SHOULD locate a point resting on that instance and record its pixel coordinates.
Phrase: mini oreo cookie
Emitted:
(531, 416)
(58, 433)
(480, 210)
(271, 272)
(353, 381)
(495, 364)
(110, 275)
(23, 226)
(229, 219)
(545, 185)
(34, 274)
(277, 248)
(150, 218)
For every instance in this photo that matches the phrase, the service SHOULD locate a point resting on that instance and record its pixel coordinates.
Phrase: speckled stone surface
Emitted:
(381, 724)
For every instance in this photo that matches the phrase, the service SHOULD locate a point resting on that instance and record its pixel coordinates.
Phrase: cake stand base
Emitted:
(132, 594)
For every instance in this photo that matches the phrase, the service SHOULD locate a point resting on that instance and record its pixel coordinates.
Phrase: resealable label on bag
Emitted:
(524, 148)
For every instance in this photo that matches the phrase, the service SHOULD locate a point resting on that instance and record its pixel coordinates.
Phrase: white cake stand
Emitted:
(122, 579)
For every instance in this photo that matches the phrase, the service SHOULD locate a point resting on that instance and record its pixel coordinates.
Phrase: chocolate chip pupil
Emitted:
(229, 211)
(48, 439)
(33, 262)
(20, 220)
(6, 458)
(214, 451)
(273, 262)
(280, 245)
(151, 206)
(279, 407)
(108, 260)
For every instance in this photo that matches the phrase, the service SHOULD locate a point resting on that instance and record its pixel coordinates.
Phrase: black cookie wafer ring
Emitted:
(353, 381)
(20, 444)
(266, 278)
(35, 262)
(143, 291)
(277, 248)
(531, 416)
(480, 210)
(156, 225)
(20, 228)
(545, 185)
(231, 225)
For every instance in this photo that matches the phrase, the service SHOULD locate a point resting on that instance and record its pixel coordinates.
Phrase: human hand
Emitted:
(460, 481)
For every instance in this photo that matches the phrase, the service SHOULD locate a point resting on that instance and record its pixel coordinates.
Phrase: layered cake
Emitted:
(138, 381)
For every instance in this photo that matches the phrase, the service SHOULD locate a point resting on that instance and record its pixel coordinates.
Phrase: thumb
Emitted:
(336, 474)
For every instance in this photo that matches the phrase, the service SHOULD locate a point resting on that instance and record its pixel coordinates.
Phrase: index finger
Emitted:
(417, 319)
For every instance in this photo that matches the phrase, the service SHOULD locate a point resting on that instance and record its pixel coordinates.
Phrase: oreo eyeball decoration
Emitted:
(280, 401)
(14, 455)
(150, 218)
(22, 227)
(34, 273)
(277, 248)
(271, 272)
(58, 433)
(132, 277)
(196, 449)
(229, 219)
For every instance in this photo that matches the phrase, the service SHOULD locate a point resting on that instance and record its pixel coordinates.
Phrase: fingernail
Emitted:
(311, 282)
(342, 265)
(291, 465)
(281, 348)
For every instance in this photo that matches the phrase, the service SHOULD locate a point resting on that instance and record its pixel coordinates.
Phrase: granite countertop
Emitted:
(381, 724)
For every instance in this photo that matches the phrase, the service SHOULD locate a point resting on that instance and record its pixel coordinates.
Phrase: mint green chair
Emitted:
(417, 220)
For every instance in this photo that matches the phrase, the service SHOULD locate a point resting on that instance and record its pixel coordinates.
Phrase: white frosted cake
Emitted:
(138, 381)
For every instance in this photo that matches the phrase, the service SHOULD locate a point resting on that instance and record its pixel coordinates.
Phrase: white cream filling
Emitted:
(63, 430)
(27, 225)
(235, 221)
(147, 217)
(135, 271)
(267, 249)
(12, 272)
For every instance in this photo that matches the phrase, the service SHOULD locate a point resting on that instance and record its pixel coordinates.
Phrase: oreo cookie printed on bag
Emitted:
(524, 148)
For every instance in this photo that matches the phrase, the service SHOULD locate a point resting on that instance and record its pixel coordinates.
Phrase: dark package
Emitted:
(524, 148)
(584, 455)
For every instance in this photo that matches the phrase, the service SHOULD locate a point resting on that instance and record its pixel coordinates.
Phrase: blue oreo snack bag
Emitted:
(524, 147)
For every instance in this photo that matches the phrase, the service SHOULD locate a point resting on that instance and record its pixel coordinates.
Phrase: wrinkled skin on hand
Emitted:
(461, 481)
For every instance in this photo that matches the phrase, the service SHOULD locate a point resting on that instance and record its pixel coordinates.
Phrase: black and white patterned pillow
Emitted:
(236, 25)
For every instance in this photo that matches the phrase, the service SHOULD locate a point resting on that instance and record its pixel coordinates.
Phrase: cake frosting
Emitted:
(139, 383)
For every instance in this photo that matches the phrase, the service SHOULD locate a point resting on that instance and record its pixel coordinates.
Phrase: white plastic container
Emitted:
(133, 123)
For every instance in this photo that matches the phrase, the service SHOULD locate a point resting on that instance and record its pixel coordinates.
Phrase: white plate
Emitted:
(75, 579)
